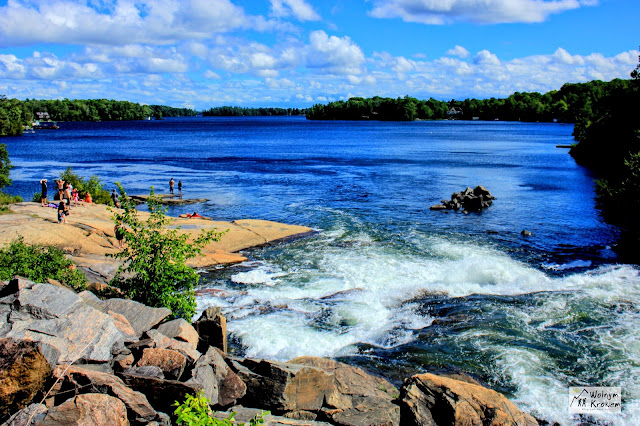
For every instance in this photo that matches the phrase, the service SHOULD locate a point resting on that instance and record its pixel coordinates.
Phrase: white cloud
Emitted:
(435, 12)
(458, 51)
(338, 55)
(298, 8)
(124, 22)
(211, 75)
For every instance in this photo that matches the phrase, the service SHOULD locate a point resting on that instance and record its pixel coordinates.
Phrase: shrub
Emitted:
(195, 411)
(39, 262)
(6, 199)
(94, 186)
(155, 271)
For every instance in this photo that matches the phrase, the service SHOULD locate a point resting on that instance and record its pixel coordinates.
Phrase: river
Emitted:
(386, 283)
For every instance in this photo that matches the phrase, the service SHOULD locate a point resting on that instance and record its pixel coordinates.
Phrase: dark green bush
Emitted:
(39, 262)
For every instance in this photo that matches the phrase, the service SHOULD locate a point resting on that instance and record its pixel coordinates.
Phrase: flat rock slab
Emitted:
(88, 236)
(168, 199)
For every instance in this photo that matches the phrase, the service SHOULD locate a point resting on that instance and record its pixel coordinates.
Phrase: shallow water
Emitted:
(386, 283)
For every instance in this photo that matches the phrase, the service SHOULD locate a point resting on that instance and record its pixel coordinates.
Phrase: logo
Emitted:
(585, 400)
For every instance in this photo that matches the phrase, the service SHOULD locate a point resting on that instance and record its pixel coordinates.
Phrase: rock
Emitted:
(427, 399)
(171, 362)
(164, 342)
(180, 329)
(92, 300)
(81, 380)
(221, 384)
(147, 370)
(123, 360)
(122, 324)
(23, 372)
(526, 233)
(438, 207)
(60, 318)
(245, 415)
(212, 329)
(88, 410)
(290, 386)
(142, 318)
(356, 397)
(161, 393)
(35, 412)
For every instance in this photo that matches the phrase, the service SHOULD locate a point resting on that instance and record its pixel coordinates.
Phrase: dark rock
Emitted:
(142, 318)
(427, 399)
(526, 233)
(161, 393)
(212, 329)
(221, 384)
(245, 415)
(88, 409)
(146, 370)
(23, 372)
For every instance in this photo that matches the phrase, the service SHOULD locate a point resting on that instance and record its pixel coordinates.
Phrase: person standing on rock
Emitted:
(60, 183)
(114, 197)
(43, 192)
(171, 183)
(180, 189)
(119, 232)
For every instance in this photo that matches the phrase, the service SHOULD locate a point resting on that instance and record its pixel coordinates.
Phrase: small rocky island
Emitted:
(469, 200)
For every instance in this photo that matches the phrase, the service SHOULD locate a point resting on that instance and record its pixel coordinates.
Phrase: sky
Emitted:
(296, 53)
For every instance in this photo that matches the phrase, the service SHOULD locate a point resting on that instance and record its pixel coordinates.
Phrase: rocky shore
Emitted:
(73, 358)
(88, 235)
(68, 358)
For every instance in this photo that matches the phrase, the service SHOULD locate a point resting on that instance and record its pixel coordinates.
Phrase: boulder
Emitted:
(147, 370)
(161, 341)
(356, 397)
(23, 372)
(221, 384)
(245, 415)
(161, 393)
(180, 329)
(60, 318)
(332, 391)
(122, 324)
(142, 318)
(171, 362)
(290, 386)
(92, 409)
(427, 399)
(76, 379)
(212, 329)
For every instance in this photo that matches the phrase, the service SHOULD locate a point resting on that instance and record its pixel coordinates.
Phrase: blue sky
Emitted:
(295, 53)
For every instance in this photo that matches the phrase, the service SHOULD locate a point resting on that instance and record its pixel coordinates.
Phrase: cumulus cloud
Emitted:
(300, 9)
(458, 51)
(436, 12)
(338, 55)
(117, 22)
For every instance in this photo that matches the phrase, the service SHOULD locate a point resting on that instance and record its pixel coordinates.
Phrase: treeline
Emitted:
(568, 104)
(609, 144)
(234, 111)
(14, 113)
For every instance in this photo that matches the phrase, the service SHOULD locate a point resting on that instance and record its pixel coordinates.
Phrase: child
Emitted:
(61, 215)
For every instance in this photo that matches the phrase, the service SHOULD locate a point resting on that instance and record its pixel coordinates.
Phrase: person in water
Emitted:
(180, 189)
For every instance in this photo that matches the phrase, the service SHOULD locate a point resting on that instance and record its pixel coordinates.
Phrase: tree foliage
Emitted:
(569, 104)
(155, 271)
(5, 167)
(235, 111)
(38, 263)
(93, 185)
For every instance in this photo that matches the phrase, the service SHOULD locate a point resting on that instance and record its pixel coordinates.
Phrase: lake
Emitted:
(386, 283)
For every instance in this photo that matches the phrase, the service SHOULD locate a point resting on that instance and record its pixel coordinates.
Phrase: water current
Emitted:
(385, 283)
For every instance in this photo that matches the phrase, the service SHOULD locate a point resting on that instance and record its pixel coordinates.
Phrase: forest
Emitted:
(569, 104)
(234, 111)
(14, 113)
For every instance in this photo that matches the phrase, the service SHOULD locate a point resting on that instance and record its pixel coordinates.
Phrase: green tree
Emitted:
(155, 270)
(5, 166)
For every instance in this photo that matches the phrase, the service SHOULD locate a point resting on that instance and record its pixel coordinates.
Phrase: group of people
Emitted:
(172, 184)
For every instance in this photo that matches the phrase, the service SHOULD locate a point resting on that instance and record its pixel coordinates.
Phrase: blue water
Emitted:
(529, 316)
